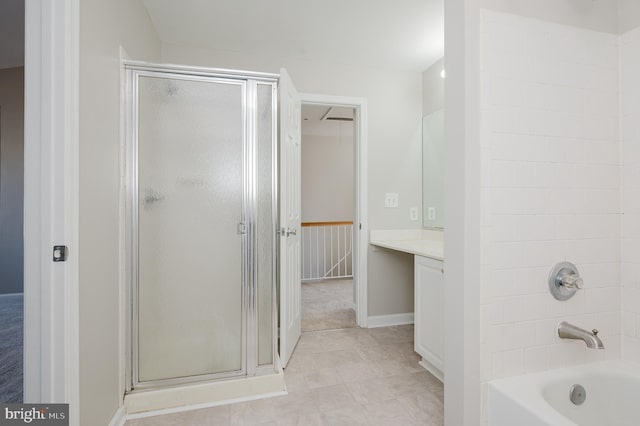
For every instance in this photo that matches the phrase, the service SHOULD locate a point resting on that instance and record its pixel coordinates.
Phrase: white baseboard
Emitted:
(119, 418)
(389, 320)
(437, 373)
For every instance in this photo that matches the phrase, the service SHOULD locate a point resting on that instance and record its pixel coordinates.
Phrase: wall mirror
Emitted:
(432, 170)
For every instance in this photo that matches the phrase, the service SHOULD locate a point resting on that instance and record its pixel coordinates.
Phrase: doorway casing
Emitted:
(360, 216)
(51, 203)
(56, 25)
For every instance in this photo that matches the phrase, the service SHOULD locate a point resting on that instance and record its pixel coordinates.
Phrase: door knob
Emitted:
(285, 232)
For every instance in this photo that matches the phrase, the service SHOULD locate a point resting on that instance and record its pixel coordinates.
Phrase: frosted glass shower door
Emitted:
(190, 245)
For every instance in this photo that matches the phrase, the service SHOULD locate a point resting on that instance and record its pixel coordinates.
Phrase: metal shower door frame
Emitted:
(249, 329)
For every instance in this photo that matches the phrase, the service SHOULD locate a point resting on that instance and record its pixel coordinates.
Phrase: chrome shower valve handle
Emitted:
(565, 280)
(572, 281)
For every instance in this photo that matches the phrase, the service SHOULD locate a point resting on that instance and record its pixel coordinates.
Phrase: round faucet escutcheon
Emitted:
(564, 280)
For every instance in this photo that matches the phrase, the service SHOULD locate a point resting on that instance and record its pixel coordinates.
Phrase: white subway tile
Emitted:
(551, 189)
(630, 273)
(535, 359)
(505, 228)
(557, 356)
(536, 306)
(545, 332)
(514, 309)
(509, 336)
(504, 282)
(513, 362)
(631, 299)
(531, 281)
(555, 308)
(540, 253)
(629, 324)
(600, 274)
(631, 349)
(603, 299)
(537, 228)
(577, 305)
(508, 255)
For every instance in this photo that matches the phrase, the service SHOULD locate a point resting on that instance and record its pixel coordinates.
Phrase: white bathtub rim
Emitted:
(526, 391)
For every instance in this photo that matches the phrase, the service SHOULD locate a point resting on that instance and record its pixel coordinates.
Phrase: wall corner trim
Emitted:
(120, 417)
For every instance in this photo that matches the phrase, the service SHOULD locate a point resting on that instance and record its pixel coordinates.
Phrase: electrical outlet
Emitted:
(431, 213)
(391, 200)
(413, 213)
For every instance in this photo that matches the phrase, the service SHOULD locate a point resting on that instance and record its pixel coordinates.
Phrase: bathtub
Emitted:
(612, 397)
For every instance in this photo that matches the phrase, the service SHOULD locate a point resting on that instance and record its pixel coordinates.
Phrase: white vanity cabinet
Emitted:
(428, 310)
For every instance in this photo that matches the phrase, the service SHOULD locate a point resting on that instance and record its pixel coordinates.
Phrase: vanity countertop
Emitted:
(417, 242)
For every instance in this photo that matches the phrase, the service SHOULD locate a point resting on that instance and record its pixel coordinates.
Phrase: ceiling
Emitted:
(11, 33)
(402, 34)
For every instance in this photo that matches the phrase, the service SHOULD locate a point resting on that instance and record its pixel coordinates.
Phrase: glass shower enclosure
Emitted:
(201, 209)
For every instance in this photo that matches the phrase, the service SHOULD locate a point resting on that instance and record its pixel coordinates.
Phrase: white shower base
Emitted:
(202, 395)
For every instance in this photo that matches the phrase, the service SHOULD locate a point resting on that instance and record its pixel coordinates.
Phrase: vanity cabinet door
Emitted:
(429, 301)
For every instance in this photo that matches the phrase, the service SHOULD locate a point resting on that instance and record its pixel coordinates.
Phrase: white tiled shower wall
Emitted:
(550, 190)
(630, 148)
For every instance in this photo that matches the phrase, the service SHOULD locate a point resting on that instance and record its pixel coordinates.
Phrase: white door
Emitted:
(290, 206)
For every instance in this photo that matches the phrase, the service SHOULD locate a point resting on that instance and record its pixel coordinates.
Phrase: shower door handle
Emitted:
(242, 228)
(151, 198)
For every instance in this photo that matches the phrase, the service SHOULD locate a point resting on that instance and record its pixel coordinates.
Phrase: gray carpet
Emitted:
(11, 318)
(328, 305)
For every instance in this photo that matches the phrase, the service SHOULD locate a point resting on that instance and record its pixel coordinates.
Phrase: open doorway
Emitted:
(11, 200)
(328, 213)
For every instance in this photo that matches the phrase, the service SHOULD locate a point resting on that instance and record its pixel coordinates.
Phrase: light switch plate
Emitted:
(413, 213)
(391, 200)
(431, 213)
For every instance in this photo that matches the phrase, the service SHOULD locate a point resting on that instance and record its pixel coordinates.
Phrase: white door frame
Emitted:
(51, 199)
(360, 222)
(462, 219)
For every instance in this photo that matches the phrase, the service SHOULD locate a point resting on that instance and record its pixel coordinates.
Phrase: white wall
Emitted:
(550, 190)
(630, 156)
(11, 179)
(394, 138)
(327, 171)
(104, 27)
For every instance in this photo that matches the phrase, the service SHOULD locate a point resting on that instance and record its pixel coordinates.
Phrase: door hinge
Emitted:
(60, 253)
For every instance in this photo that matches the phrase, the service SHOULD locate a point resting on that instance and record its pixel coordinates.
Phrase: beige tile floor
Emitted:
(338, 377)
(327, 305)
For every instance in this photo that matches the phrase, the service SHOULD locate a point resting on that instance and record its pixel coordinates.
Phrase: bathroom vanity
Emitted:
(427, 248)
